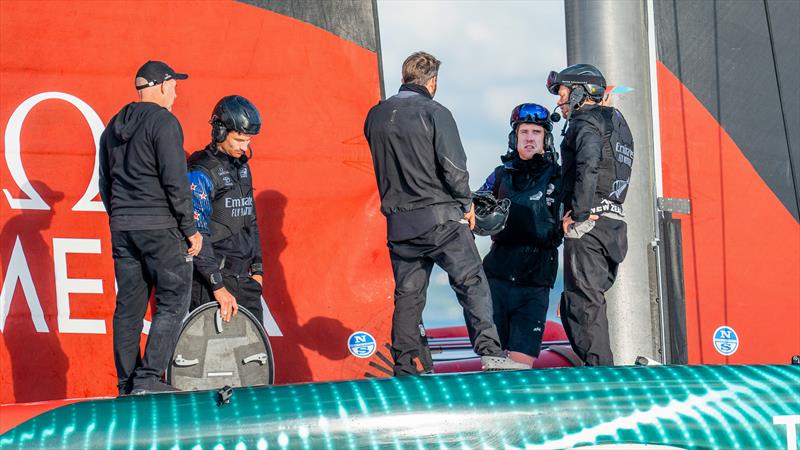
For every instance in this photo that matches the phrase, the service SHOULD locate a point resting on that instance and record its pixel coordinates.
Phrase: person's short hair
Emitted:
(420, 67)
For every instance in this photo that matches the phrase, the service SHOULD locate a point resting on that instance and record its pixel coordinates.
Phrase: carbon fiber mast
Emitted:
(613, 36)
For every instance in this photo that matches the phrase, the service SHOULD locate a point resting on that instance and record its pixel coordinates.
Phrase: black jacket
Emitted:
(597, 156)
(222, 194)
(143, 170)
(526, 251)
(419, 163)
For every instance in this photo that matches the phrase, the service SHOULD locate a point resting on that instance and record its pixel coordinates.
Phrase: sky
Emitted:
(495, 55)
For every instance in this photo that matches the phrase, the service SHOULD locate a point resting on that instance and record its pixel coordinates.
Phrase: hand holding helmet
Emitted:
(490, 214)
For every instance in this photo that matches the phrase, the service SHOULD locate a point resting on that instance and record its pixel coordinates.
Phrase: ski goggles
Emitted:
(554, 81)
(530, 112)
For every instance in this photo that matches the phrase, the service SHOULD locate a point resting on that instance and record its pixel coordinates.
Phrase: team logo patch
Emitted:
(726, 341)
(243, 172)
(361, 344)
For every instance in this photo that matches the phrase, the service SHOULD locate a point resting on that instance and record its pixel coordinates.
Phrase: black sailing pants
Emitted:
(520, 314)
(243, 288)
(591, 258)
(451, 246)
(145, 260)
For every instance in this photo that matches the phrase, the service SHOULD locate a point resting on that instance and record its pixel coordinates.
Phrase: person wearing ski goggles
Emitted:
(523, 261)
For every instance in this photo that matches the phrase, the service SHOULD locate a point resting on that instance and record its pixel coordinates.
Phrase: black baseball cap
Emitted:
(157, 72)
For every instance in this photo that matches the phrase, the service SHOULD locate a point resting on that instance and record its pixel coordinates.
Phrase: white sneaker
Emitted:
(495, 363)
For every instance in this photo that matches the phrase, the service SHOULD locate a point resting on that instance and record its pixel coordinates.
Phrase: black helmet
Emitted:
(490, 214)
(234, 113)
(585, 75)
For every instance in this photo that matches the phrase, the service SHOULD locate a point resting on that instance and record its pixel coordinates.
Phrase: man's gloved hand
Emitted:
(195, 243)
(567, 220)
(227, 304)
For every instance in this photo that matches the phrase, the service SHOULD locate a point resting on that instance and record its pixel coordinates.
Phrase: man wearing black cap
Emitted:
(144, 189)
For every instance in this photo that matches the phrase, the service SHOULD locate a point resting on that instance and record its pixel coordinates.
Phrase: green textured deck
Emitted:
(683, 406)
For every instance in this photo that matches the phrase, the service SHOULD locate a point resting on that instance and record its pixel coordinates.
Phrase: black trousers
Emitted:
(520, 314)
(145, 260)
(450, 245)
(591, 259)
(246, 290)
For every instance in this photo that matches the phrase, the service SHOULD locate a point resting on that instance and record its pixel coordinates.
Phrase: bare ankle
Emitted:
(522, 358)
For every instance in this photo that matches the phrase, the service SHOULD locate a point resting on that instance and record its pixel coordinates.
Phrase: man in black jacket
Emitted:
(523, 261)
(597, 156)
(229, 269)
(423, 182)
(144, 190)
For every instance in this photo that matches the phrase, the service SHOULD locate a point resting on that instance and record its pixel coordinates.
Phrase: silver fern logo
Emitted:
(619, 188)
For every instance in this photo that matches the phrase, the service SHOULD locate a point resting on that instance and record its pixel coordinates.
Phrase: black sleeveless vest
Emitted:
(526, 251)
(534, 194)
(616, 158)
(232, 199)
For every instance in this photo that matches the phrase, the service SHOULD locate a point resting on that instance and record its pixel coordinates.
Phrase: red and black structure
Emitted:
(312, 69)
(729, 107)
(715, 113)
